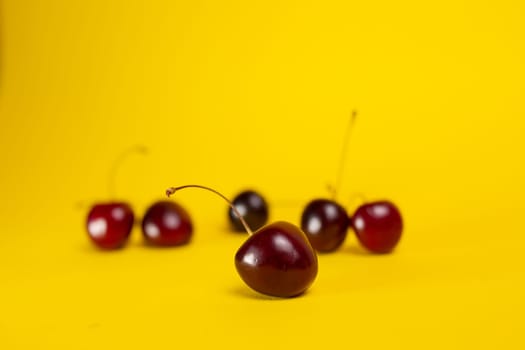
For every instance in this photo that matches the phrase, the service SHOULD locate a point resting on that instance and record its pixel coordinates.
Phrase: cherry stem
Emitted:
(344, 152)
(172, 190)
(137, 149)
(357, 196)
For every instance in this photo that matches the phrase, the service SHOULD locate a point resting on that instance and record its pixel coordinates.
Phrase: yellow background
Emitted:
(239, 94)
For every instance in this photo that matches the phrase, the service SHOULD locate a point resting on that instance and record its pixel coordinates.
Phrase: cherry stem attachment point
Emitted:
(331, 189)
(170, 191)
(357, 196)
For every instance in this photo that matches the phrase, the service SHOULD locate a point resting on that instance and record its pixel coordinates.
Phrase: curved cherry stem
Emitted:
(138, 149)
(172, 190)
(344, 152)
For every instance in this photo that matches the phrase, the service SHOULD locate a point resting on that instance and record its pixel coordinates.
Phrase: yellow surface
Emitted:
(236, 94)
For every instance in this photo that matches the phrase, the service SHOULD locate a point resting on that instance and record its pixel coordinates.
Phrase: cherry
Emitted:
(276, 260)
(378, 226)
(166, 223)
(109, 224)
(253, 209)
(324, 221)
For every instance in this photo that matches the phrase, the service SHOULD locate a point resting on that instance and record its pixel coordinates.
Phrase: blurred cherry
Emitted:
(378, 226)
(253, 208)
(109, 224)
(166, 223)
(326, 224)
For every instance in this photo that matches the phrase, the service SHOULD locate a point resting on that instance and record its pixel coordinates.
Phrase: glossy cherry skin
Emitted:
(109, 224)
(277, 260)
(325, 223)
(253, 208)
(378, 226)
(166, 223)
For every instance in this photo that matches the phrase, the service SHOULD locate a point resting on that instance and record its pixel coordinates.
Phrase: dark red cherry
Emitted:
(378, 226)
(166, 223)
(325, 223)
(109, 224)
(252, 207)
(277, 260)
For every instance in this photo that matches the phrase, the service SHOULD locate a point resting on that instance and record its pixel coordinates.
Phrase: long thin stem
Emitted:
(344, 152)
(112, 177)
(172, 190)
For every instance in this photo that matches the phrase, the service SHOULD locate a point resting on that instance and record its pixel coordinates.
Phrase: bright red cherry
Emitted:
(378, 226)
(166, 223)
(325, 223)
(276, 260)
(253, 208)
(109, 224)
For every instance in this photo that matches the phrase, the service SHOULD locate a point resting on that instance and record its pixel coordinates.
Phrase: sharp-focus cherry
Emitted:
(166, 223)
(253, 208)
(276, 260)
(324, 221)
(109, 224)
(378, 226)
